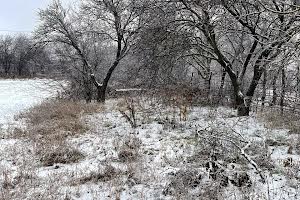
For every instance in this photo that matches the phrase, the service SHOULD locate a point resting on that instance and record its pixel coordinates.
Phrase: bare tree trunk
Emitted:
(88, 91)
(7, 66)
(207, 84)
(283, 87)
(264, 91)
(101, 94)
(274, 89)
(243, 105)
(101, 89)
(221, 89)
(298, 81)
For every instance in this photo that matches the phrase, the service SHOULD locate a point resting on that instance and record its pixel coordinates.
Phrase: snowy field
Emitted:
(19, 95)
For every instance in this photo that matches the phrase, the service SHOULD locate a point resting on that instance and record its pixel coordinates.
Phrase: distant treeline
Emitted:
(21, 57)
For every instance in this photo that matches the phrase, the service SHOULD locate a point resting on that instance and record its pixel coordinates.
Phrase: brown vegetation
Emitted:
(48, 126)
(289, 120)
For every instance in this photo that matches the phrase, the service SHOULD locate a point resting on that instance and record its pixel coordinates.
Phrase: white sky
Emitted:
(21, 15)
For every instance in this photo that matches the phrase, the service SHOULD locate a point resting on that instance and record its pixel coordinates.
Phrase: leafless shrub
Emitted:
(107, 174)
(129, 149)
(188, 95)
(227, 143)
(288, 120)
(260, 148)
(182, 181)
(127, 108)
(132, 142)
(127, 155)
(61, 110)
(48, 126)
(134, 174)
(62, 154)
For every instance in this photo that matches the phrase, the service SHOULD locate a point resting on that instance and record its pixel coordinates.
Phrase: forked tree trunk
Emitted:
(102, 88)
(243, 105)
(242, 102)
(101, 94)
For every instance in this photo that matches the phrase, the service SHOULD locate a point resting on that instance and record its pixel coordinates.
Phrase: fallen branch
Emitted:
(242, 151)
(252, 162)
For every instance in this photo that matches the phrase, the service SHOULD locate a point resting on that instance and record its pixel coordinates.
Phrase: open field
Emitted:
(19, 95)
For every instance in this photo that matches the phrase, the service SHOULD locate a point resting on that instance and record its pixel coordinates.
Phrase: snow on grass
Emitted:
(19, 95)
(167, 146)
(165, 150)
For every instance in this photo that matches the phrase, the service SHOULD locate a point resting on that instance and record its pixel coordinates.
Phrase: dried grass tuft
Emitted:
(289, 121)
(49, 125)
(62, 154)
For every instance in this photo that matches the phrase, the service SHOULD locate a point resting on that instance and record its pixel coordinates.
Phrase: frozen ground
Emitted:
(19, 95)
(167, 158)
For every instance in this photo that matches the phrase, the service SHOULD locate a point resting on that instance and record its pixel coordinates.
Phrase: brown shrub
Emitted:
(62, 154)
(58, 110)
(53, 117)
(105, 175)
(50, 123)
(127, 155)
(129, 149)
(289, 121)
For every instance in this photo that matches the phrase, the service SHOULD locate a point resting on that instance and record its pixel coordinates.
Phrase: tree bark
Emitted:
(207, 84)
(221, 93)
(283, 86)
(102, 88)
(264, 92)
(298, 81)
(274, 89)
(101, 94)
(88, 91)
(243, 105)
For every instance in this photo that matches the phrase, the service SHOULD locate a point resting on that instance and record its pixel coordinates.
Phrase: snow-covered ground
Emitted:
(19, 95)
(169, 146)
(167, 158)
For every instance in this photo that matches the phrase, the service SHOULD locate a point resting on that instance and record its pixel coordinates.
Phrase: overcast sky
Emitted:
(20, 15)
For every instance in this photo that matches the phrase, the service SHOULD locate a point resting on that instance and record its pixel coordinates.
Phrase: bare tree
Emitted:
(61, 27)
(117, 22)
(24, 53)
(18, 56)
(259, 28)
(6, 53)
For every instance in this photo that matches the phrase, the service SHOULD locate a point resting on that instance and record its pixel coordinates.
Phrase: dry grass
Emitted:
(107, 174)
(289, 121)
(48, 126)
(128, 149)
(59, 115)
(63, 154)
